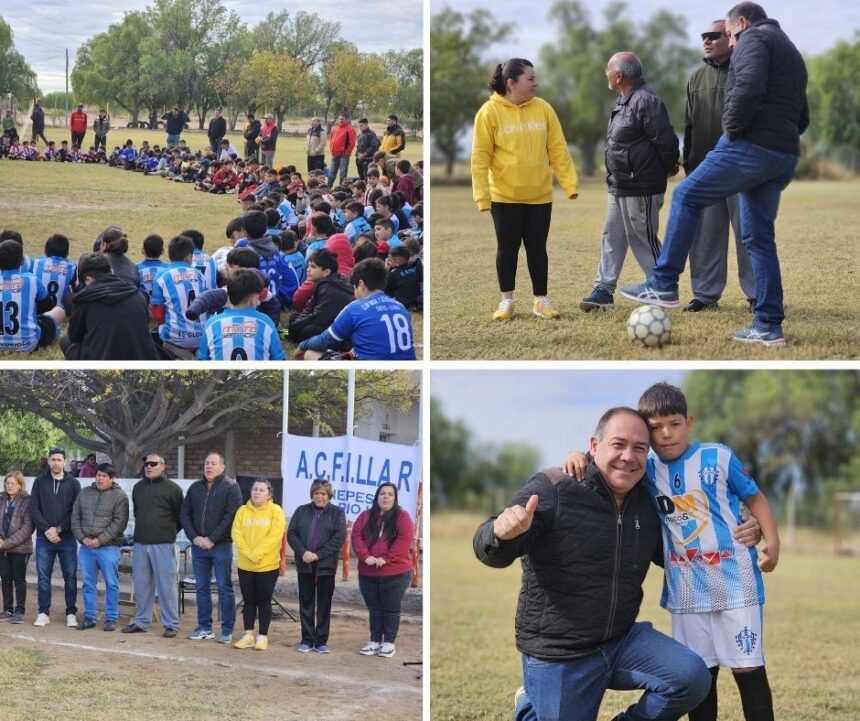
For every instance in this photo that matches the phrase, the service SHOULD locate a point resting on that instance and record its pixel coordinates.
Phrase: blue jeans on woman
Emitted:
(382, 596)
(106, 560)
(46, 555)
(674, 679)
(759, 175)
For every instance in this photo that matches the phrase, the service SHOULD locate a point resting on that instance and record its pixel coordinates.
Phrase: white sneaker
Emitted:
(71, 621)
(371, 648)
(386, 650)
(42, 620)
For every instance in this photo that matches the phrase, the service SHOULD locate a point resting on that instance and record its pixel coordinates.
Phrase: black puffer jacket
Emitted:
(641, 145)
(766, 94)
(583, 563)
(331, 295)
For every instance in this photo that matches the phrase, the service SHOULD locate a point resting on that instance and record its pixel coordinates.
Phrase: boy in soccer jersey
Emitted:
(379, 327)
(383, 231)
(291, 248)
(712, 584)
(26, 262)
(152, 265)
(202, 261)
(172, 292)
(55, 270)
(404, 280)
(26, 321)
(241, 332)
(356, 224)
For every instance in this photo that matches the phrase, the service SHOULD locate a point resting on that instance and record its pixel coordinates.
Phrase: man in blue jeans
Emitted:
(207, 519)
(99, 519)
(585, 549)
(51, 503)
(765, 113)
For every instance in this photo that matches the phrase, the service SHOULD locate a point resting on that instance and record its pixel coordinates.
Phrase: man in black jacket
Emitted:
(207, 518)
(251, 133)
(217, 131)
(174, 124)
(366, 146)
(51, 503)
(766, 111)
(585, 550)
(641, 152)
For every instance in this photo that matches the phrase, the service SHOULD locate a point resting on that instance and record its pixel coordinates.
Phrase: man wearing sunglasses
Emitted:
(706, 91)
(157, 502)
(51, 504)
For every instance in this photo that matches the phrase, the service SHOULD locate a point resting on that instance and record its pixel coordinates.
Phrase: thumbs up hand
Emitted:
(515, 521)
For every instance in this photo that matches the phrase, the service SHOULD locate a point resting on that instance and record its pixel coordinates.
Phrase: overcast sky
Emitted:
(555, 411)
(44, 29)
(813, 26)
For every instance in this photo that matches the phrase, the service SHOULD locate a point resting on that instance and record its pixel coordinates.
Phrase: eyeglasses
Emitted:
(56, 449)
(713, 36)
(152, 464)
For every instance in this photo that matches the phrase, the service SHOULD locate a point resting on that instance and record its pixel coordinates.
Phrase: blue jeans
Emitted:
(759, 175)
(382, 596)
(339, 163)
(46, 554)
(173, 139)
(219, 559)
(106, 560)
(674, 679)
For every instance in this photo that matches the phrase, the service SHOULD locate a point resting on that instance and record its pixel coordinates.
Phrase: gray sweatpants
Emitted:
(154, 569)
(710, 252)
(630, 222)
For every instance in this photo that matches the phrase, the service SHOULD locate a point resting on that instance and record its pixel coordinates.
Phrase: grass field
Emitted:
(39, 199)
(819, 257)
(811, 620)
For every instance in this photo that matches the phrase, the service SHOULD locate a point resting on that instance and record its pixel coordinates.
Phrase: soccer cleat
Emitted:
(322, 649)
(133, 628)
(765, 337)
(646, 293)
(262, 643)
(542, 308)
(247, 641)
(86, 624)
(42, 620)
(303, 648)
(598, 298)
(225, 637)
(386, 650)
(71, 621)
(109, 625)
(506, 309)
(695, 305)
(371, 648)
(200, 634)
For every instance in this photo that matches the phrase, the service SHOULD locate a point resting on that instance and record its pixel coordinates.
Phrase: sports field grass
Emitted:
(816, 237)
(812, 643)
(77, 200)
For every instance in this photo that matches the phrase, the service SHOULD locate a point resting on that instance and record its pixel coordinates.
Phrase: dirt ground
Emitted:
(173, 678)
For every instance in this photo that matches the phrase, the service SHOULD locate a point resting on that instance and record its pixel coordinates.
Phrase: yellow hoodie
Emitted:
(512, 150)
(257, 534)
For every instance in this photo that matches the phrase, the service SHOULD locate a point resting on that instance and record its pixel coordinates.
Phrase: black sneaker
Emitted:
(110, 626)
(598, 298)
(695, 305)
(133, 628)
(169, 633)
(86, 623)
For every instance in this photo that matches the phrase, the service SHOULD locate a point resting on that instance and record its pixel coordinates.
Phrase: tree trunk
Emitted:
(589, 153)
(449, 164)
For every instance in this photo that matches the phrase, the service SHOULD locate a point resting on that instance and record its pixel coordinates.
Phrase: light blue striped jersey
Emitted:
(175, 288)
(206, 265)
(18, 295)
(147, 271)
(698, 498)
(240, 334)
(57, 275)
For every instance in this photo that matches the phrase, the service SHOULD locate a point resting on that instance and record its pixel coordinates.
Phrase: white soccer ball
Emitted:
(649, 325)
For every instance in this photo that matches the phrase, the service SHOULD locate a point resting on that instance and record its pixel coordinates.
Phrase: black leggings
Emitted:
(518, 223)
(257, 591)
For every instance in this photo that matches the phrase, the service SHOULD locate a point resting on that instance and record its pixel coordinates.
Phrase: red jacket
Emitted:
(78, 122)
(397, 554)
(342, 139)
(303, 295)
(339, 245)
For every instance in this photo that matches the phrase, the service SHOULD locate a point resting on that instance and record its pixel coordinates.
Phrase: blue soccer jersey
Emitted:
(56, 274)
(147, 272)
(240, 334)
(356, 227)
(698, 498)
(379, 327)
(298, 263)
(175, 289)
(18, 295)
(206, 265)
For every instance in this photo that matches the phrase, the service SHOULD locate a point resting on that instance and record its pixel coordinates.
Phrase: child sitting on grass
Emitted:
(152, 265)
(404, 280)
(331, 294)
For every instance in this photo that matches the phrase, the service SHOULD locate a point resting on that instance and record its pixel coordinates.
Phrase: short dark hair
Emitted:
(393, 117)
(510, 70)
(196, 237)
(57, 245)
(321, 206)
(93, 265)
(255, 223)
(289, 241)
(662, 399)
(399, 251)
(153, 245)
(418, 209)
(384, 223)
(751, 11)
(11, 254)
(404, 166)
(323, 224)
(353, 206)
(243, 258)
(108, 469)
(179, 248)
(372, 271)
(10, 234)
(273, 217)
(600, 430)
(363, 120)
(387, 201)
(242, 284)
(325, 259)
(234, 225)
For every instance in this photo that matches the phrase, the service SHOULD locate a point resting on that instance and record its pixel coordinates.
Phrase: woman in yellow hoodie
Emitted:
(258, 531)
(517, 140)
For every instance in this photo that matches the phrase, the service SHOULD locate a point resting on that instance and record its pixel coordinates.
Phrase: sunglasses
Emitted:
(152, 464)
(712, 36)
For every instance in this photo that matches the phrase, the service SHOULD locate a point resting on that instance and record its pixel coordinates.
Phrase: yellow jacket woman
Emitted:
(257, 534)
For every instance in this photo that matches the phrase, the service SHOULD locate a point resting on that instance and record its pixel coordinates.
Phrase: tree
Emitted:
(350, 80)
(127, 414)
(305, 38)
(278, 81)
(457, 74)
(450, 458)
(16, 76)
(24, 441)
(407, 67)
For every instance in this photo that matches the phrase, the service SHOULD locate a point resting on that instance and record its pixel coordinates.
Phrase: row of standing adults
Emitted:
(214, 519)
(746, 110)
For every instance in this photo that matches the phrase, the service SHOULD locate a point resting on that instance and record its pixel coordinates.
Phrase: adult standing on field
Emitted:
(518, 143)
(269, 139)
(315, 145)
(217, 131)
(78, 125)
(766, 111)
(174, 124)
(342, 143)
(706, 91)
(251, 133)
(38, 118)
(101, 126)
(16, 545)
(394, 138)
(366, 145)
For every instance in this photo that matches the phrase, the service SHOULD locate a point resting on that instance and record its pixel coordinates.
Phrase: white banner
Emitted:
(354, 466)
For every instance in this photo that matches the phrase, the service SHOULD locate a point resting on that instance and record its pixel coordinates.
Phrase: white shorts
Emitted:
(733, 639)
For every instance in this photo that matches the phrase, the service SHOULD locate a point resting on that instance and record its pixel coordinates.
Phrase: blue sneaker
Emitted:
(303, 648)
(322, 649)
(200, 634)
(225, 637)
(598, 298)
(765, 337)
(646, 293)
